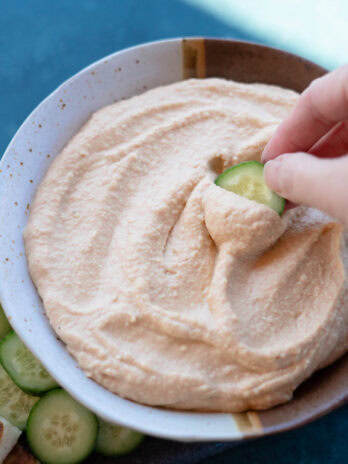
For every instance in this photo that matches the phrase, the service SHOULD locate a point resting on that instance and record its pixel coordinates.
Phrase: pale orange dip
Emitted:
(167, 289)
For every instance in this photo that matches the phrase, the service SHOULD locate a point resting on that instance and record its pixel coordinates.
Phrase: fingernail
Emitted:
(271, 174)
(264, 156)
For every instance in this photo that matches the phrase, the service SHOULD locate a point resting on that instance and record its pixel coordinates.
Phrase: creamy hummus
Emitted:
(167, 289)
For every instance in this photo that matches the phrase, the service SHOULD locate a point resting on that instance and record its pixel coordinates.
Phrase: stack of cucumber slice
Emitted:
(58, 429)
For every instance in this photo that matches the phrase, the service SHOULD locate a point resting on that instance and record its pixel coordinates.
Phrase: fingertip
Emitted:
(273, 149)
(277, 145)
(264, 157)
(270, 173)
(265, 154)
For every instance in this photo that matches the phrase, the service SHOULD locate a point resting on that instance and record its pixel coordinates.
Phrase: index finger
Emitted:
(319, 108)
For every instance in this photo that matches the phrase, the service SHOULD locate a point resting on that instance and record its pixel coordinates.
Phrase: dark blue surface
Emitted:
(42, 43)
(321, 442)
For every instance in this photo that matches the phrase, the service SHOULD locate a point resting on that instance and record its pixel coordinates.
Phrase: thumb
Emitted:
(317, 182)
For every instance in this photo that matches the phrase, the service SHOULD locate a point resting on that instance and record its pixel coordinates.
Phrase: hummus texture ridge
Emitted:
(167, 289)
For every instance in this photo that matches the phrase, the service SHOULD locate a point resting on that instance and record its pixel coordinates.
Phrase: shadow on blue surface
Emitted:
(322, 442)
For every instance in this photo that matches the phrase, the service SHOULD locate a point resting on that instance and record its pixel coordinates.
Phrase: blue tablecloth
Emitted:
(42, 43)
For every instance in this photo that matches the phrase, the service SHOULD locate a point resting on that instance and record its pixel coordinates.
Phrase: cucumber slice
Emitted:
(15, 405)
(60, 430)
(5, 327)
(23, 368)
(246, 179)
(114, 440)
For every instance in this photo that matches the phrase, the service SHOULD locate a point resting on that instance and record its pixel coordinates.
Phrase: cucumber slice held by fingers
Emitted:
(23, 368)
(114, 440)
(15, 405)
(60, 430)
(5, 327)
(246, 179)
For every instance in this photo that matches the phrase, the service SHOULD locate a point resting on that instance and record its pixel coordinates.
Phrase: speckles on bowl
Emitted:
(61, 104)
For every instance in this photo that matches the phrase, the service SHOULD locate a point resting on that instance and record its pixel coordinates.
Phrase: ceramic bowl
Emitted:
(41, 138)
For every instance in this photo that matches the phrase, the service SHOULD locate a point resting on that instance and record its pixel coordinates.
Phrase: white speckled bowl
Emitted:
(40, 139)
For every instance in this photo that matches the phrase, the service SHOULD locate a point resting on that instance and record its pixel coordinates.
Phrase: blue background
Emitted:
(42, 43)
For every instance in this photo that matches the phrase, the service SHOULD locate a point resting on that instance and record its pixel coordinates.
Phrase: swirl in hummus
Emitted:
(167, 289)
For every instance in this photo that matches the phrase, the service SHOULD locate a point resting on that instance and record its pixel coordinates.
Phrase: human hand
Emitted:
(305, 160)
